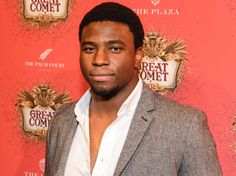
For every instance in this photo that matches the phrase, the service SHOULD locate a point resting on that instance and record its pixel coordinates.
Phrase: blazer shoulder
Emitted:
(174, 105)
(66, 108)
(176, 110)
(64, 113)
(163, 107)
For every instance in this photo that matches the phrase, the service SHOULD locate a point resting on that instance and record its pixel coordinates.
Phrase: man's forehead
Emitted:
(105, 25)
(107, 29)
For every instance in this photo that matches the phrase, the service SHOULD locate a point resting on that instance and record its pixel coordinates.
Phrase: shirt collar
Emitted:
(82, 107)
(129, 105)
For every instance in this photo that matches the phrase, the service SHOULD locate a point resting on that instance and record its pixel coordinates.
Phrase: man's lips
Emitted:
(101, 77)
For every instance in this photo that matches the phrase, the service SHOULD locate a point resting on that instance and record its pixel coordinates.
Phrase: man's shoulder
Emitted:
(66, 107)
(173, 106)
(174, 118)
(64, 112)
(172, 109)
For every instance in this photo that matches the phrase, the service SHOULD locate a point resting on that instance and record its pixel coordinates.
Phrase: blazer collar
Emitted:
(67, 134)
(138, 127)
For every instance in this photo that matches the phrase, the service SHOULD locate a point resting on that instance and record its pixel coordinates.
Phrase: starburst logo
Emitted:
(155, 2)
(162, 62)
(37, 108)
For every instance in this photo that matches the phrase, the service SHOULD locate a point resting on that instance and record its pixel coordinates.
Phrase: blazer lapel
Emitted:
(138, 127)
(66, 138)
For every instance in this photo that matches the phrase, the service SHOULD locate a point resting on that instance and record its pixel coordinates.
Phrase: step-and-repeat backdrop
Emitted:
(189, 56)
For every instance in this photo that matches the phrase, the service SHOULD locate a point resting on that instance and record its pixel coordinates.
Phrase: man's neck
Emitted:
(109, 107)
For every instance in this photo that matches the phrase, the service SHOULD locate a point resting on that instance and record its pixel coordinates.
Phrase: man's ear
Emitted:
(138, 57)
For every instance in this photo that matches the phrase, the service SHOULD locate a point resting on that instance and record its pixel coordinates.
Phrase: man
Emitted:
(119, 126)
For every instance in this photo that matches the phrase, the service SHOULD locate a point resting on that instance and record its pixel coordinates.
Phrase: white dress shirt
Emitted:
(78, 163)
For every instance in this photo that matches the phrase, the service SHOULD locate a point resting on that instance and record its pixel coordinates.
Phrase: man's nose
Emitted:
(101, 58)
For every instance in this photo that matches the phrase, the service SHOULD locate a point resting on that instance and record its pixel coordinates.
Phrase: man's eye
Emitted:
(116, 49)
(88, 49)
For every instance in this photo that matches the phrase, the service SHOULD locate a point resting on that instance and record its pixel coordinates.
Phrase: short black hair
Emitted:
(111, 11)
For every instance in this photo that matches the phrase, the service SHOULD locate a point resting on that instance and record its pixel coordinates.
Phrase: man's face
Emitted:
(108, 58)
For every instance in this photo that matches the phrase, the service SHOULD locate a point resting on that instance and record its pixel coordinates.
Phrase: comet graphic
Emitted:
(45, 54)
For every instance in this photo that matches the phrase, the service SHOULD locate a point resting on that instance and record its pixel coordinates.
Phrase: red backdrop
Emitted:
(208, 29)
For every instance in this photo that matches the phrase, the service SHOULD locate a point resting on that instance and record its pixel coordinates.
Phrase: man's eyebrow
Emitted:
(87, 43)
(115, 42)
(110, 42)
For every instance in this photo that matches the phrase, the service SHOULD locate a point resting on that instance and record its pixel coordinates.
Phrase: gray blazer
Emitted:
(164, 139)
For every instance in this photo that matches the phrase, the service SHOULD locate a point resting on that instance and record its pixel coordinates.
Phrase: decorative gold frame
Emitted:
(44, 96)
(45, 19)
(155, 46)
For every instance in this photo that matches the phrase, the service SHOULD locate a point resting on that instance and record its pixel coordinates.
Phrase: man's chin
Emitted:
(105, 92)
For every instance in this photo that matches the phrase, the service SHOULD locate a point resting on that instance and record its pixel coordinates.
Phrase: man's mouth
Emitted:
(101, 76)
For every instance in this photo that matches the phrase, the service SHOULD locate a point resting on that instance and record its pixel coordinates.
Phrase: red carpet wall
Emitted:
(39, 69)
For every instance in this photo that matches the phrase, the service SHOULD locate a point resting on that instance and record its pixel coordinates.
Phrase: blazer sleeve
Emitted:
(51, 139)
(200, 156)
